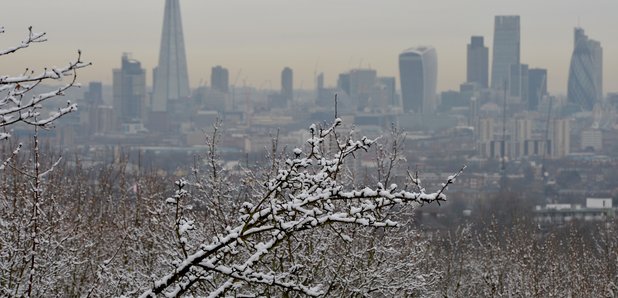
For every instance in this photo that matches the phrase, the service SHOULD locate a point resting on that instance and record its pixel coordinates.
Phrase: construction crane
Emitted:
(546, 147)
(503, 145)
(234, 88)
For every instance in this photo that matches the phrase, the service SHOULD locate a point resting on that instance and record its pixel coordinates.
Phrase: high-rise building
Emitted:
(362, 81)
(94, 94)
(478, 62)
(596, 52)
(343, 82)
(93, 98)
(518, 82)
(171, 78)
(320, 82)
(537, 87)
(561, 138)
(506, 49)
(362, 85)
(220, 79)
(287, 84)
(418, 71)
(585, 85)
(129, 92)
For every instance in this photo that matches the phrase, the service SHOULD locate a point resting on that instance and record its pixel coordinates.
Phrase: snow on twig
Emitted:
(304, 195)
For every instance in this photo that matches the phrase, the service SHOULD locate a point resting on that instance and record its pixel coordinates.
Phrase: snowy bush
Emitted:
(36, 236)
(288, 234)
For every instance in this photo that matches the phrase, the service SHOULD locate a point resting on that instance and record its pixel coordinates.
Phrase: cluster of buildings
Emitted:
(515, 117)
(502, 112)
(595, 209)
(502, 121)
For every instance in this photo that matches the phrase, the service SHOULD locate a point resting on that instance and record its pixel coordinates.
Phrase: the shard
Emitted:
(171, 79)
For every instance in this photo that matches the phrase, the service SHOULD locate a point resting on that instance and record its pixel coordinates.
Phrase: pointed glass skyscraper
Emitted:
(171, 79)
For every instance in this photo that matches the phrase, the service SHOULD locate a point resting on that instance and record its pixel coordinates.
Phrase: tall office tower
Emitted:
(518, 82)
(561, 138)
(93, 98)
(506, 49)
(220, 79)
(362, 86)
(478, 62)
(585, 85)
(597, 56)
(362, 81)
(171, 79)
(323, 97)
(320, 82)
(287, 85)
(129, 92)
(343, 82)
(537, 87)
(94, 94)
(418, 71)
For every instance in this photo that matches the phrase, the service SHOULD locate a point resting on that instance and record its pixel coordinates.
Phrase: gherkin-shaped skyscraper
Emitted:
(171, 78)
(585, 86)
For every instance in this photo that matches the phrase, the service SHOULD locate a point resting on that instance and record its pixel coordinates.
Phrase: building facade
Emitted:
(129, 92)
(561, 138)
(537, 87)
(418, 71)
(506, 49)
(477, 70)
(585, 85)
(287, 84)
(171, 78)
(518, 83)
(220, 79)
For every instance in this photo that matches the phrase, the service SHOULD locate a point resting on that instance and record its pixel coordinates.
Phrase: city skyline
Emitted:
(309, 38)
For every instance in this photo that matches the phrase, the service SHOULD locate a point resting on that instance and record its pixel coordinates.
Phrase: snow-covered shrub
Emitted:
(36, 235)
(302, 232)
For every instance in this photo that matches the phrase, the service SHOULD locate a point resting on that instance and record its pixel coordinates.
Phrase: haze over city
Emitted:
(344, 148)
(256, 39)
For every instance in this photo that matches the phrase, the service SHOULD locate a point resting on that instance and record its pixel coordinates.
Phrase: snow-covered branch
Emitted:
(37, 241)
(15, 103)
(305, 195)
(31, 38)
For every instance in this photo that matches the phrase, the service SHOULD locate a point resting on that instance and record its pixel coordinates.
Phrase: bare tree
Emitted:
(261, 250)
(34, 237)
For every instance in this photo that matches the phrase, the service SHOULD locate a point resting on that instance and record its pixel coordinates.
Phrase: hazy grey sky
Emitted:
(331, 36)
